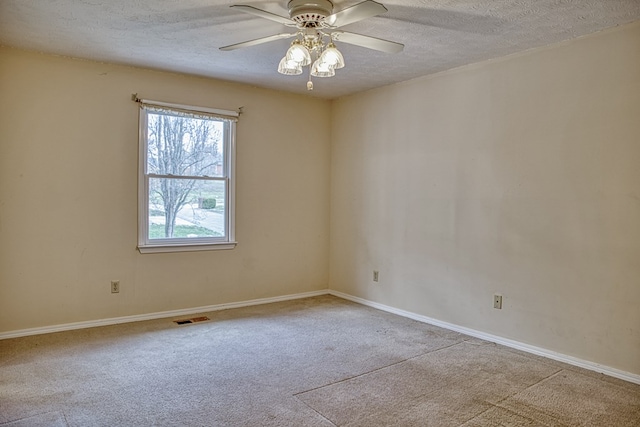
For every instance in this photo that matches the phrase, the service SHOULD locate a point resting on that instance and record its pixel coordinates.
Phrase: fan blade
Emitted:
(355, 13)
(368, 42)
(264, 14)
(257, 41)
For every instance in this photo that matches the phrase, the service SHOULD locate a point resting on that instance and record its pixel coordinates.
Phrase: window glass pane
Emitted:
(186, 208)
(183, 145)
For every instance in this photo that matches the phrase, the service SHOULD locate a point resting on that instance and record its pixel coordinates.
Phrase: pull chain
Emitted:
(310, 83)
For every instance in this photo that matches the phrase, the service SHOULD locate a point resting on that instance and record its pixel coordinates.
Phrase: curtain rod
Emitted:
(229, 113)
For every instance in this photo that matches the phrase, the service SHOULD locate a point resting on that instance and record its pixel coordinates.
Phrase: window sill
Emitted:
(152, 249)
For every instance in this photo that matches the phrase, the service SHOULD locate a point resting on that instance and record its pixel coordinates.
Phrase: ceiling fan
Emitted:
(315, 21)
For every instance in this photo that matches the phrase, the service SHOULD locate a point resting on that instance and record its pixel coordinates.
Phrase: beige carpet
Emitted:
(314, 362)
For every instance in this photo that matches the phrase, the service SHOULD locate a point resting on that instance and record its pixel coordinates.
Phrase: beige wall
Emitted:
(68, 195)
(519, 176)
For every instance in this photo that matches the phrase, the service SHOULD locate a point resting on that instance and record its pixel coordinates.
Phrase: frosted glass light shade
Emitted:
(322, 69)
(289, 67)
(298, 53)
(332, 56)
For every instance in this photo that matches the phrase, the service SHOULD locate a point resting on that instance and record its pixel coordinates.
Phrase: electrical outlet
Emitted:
(497, 302)
(375, 275)
(115, 286)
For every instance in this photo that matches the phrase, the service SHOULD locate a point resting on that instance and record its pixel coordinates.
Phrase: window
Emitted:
(186, 178)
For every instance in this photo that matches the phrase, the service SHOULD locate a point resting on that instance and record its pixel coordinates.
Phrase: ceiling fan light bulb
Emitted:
(297, 52)
(289, 68)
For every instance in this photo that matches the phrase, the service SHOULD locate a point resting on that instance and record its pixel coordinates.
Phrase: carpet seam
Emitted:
(556, 421)
(526, 388)
(32, 416)
(533, 409)
(496, 405)
(375, 370)
(493, 406)
(314, 410)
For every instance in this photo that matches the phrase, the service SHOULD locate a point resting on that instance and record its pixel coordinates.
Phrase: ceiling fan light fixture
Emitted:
(289, 67)
(298, 53)
(322, 69)
(332, 56)
(316, 22)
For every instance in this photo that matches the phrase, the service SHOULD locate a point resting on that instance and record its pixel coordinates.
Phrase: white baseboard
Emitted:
(613, 372)
(157, 315)
(606, 370)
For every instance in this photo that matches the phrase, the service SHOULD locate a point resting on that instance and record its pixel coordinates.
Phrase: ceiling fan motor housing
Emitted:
(309, 13)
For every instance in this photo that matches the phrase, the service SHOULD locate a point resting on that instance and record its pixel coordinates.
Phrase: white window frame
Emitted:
(146, 245)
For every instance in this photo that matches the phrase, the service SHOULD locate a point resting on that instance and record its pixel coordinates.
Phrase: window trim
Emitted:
(185, 245)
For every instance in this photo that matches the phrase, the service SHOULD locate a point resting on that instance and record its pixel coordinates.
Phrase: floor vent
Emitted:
(192, 320)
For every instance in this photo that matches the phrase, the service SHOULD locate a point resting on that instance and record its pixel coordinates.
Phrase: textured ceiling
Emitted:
(184, 36)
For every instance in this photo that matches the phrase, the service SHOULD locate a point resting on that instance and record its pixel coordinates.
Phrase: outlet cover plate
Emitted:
(497, 302)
